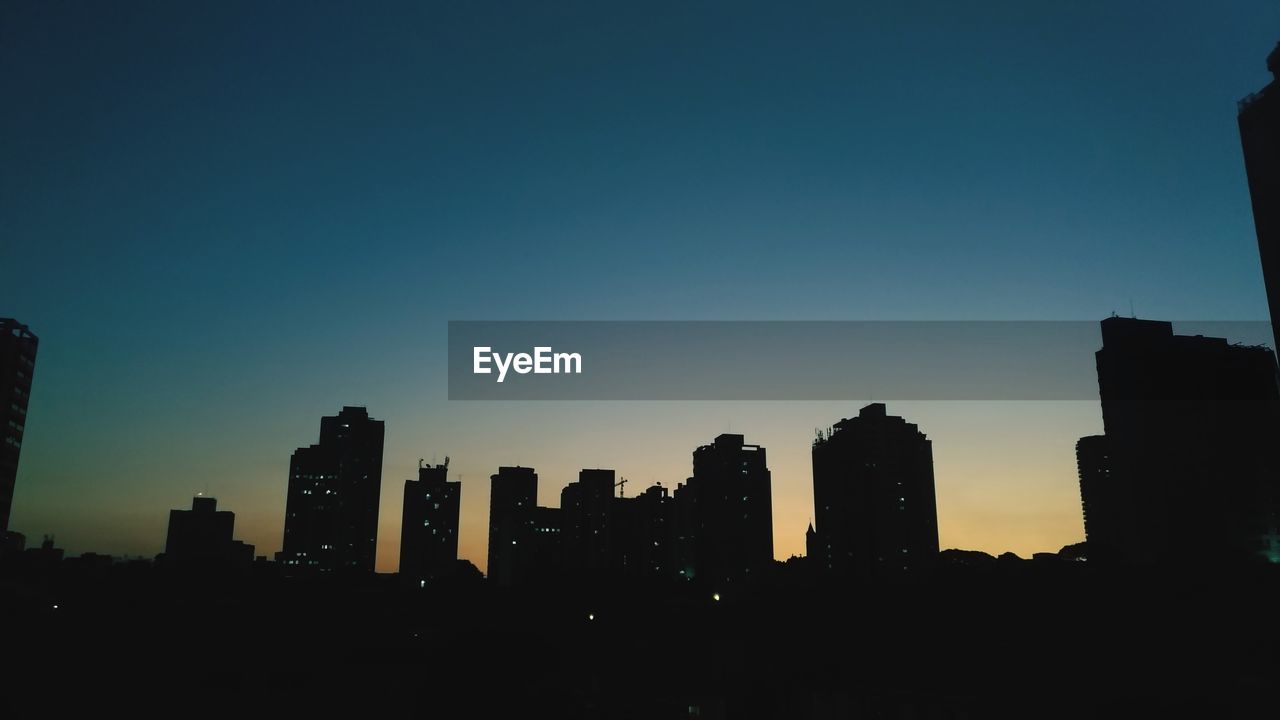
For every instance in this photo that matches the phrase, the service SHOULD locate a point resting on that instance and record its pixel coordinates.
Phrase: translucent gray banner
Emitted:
(788, 360)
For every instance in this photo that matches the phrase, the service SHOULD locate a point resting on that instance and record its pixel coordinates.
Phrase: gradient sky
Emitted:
(226, 221)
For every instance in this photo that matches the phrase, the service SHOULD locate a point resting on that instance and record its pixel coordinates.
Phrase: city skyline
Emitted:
(206, 262)
(439, 474)
(870, 457)
(267, 539)
(310, 459)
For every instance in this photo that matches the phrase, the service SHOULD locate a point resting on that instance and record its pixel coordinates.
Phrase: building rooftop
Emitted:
(1273, 65)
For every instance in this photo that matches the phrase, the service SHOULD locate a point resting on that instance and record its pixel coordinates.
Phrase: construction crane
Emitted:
(619, 485)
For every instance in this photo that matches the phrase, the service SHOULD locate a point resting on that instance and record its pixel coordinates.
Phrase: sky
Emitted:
(225, 220)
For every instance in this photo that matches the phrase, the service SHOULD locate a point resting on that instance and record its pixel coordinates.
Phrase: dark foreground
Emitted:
(1013, 639)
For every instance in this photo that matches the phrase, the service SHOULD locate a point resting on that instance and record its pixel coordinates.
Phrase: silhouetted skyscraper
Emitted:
(202, 536)
(1259, 120)
(642, 534)
(331, 518)
(606, 533)
(513, 496)
(17, 366)
(429, 525)
(873, 495)
(587, 507)
(731, 510)
(684, 531)
(547, 558)
(1191, 427)
(1101, 526)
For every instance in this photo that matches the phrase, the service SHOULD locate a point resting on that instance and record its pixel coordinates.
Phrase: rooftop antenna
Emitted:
(1132, 314)
(620, 487)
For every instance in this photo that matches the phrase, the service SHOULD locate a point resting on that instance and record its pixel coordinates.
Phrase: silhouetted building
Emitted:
(547, 557)
(429, 525)
(1075, 552)
(202, 537)
(1259, 120)
(89, 566)
(873, 495)
(1191, 427)
(1093, 464)
(643, 540)
(606, 533)
(729, 511)
(513, 495)
(685, 529)
(45, 558)
(587, 507)
(954, 558)
(331, 518)
(17, 366)
(12, 544)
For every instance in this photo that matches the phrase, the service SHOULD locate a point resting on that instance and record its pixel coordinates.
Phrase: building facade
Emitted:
(513, 497)
(1093, 465)
(643, 535)
(1193, 460)
(1259, 120)
(331, 514)
(17, 367)
(875, 510)
(202, 538)
(588, 509)
(728, 513)
(429, 525)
